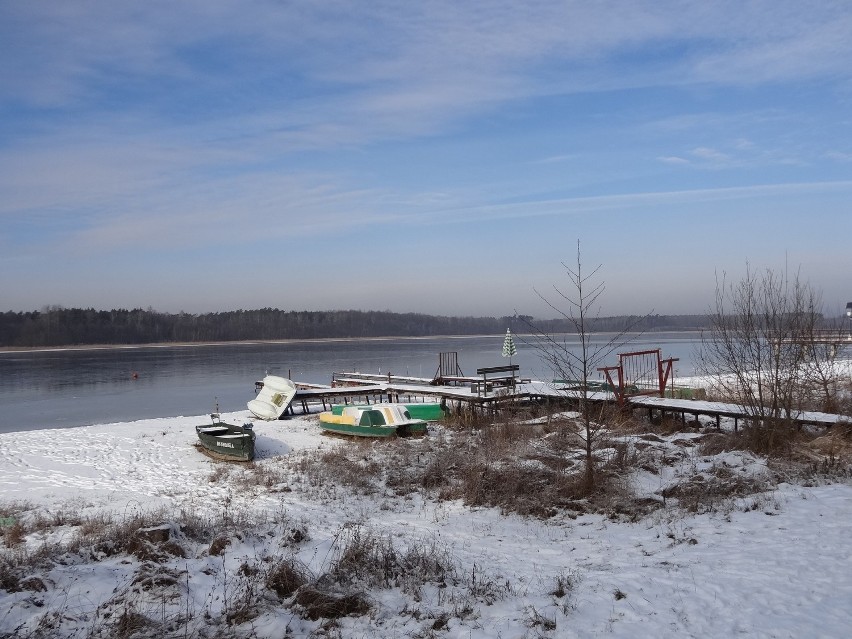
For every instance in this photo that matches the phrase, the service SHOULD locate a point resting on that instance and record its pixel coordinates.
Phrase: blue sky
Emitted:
(435, 157)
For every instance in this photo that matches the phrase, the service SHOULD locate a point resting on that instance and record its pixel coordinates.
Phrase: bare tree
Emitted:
(761, 335)
(823, 374)
(567, 360)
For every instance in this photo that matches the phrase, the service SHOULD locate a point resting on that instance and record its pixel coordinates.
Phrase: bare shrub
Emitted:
(195, 525)
(152, 576)
(466, 419)
(568, 360)
(109, 536)
(131, 623)
(770, 439)
(756, 355)
(565, 585)
(33, 584)
(704, 494)
(317, 604)
(14, 535)
(539, 475)
(534, 619)
(441, 468)
(818, 457)
(286, 577)
(485, 587)
(95, 525)
(218, 545)
(833, 447)
(367, 561)
(843, 399)
(353, 466)
(12, 525)
(526, 468)
(269, 476)
(14, 509)
(823, 455)
(243, 605)
(524, 490)
(373, 561)
(9, 577)
(47, 520)
(220, 472)
(721, 442)
(158, 547)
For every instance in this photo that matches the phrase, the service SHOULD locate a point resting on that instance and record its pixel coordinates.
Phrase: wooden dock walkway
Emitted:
(454, 397)
(366, 389)
(717, 410)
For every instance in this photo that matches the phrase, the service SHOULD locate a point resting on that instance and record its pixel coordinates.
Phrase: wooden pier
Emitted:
(831, 337)
(717, 410)
(359, 388)
(455, 398)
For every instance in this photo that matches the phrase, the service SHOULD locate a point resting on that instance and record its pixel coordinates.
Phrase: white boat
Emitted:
(274, 397)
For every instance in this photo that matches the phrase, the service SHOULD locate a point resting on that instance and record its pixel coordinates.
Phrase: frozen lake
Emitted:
(64, 388)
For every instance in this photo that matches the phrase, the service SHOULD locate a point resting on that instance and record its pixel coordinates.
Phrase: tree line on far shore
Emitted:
(58, 326)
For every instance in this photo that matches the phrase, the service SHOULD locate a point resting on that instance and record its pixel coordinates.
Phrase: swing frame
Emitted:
(640, 373)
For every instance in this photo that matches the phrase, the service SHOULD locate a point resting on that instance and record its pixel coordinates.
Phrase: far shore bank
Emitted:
(248, 342)
(305, 340)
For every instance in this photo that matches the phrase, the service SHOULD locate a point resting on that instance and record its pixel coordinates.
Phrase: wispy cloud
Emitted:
(839, 156)
(630, 201)
(673, 159)
(556, 159)
(710, 155)
(739, 153)
(407, 68)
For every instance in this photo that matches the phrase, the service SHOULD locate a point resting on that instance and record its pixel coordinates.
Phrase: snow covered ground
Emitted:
(776, 564)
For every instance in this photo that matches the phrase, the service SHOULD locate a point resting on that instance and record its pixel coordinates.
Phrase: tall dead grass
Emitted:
(534, 468)
(157, 548)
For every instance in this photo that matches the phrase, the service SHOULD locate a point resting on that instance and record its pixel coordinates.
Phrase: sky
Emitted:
(432, 157)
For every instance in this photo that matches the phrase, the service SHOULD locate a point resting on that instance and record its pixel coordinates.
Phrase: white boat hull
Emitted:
(273, 399)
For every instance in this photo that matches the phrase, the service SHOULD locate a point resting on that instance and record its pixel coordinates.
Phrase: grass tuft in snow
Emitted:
(529, 469)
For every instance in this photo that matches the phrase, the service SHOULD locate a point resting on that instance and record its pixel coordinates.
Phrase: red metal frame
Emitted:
(665, 371)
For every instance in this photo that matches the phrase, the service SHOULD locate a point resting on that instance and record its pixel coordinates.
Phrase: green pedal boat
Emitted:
(428, 411)
(375, 420)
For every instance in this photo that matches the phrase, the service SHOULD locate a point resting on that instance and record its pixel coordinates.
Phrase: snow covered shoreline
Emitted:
(775, 565)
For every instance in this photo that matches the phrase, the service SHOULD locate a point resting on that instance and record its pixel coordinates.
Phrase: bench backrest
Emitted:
(513, 368)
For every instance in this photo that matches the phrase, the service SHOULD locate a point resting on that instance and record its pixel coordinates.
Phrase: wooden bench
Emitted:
(500, 375)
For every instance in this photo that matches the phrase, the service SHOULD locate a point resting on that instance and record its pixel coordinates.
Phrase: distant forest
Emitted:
(57, 326)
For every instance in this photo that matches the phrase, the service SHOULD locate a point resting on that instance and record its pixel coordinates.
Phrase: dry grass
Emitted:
(354, 466)
(833, 445)
(318, 604)
(286, 577)
(807, 455)
(703, 494)
(535, 469)
(14, 534)
(374, 561)
(157, 599)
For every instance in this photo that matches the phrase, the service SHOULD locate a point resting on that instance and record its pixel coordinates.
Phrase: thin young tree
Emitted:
(761, 335)
(577, 304)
